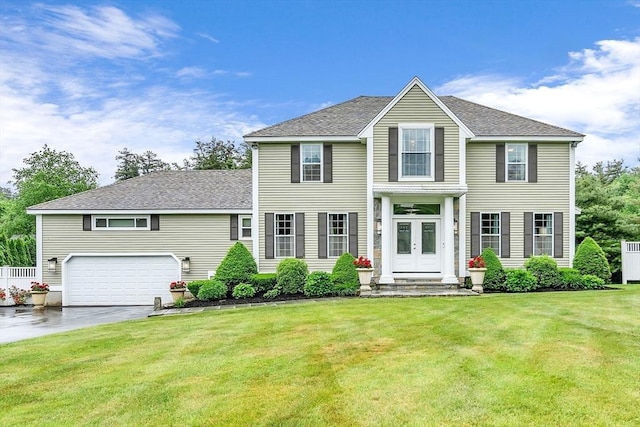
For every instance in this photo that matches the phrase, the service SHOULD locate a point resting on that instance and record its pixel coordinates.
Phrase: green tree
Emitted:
(215, 154)
(131, 164)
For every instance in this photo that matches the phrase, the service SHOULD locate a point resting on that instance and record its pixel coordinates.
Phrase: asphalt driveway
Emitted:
(19, 322)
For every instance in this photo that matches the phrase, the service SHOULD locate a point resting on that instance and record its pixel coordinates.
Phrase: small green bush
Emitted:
(179, 303)
(243, 290)
(520, 281)
(589, 281)
(263, 282)
(237, 266)
(318, 284)
(292, 275)
(273, 293)
(570, 278)
(590, 259)
(494, 277)
(346, 289)
(546, 271)
(344, 273)
(194, 287)
(212, 290)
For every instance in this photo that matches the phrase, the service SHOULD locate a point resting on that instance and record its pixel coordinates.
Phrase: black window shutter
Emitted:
(295, 162)
(505, 238)
(475, 234)
(500, 162)
(533, 163)
(439, 152)
(155, 222)
(393, 154)
(86, 222)
(233, 227)
(268, 235)
(528, 234)
(353, 233)
(299, 235)
(322, 235)
(327, 162)
(557, 235)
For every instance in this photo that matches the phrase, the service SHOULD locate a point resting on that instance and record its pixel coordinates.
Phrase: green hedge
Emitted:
(318, 284)
(546, 271)
(237, 266)
(494, 277)
(263, 282)
(292, 275)
(212, 290)
(590, 259)
(520, 281)
(243, 290)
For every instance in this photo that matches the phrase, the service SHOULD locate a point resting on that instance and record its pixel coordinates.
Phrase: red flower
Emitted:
(362, 262)
(39, 287)
(477, 262)
(178, 285)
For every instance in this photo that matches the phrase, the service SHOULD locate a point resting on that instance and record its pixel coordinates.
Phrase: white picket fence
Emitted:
(630, 261)
(20, 277)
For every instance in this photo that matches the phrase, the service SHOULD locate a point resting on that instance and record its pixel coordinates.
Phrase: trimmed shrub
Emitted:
(263, 282)
(590, 259)
(212, 290)
(237, 266)
(318, 284)
(273, 293)
(589, 281)
(546, 271)
(344, 273)
(520, 281)
(292, 275)
(494, 277)
(346, 289)
(243, 290)
(570, 278)
(194, 287)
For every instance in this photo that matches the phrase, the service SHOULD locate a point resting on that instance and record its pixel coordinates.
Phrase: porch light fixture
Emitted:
(379, 226)
(52, 262)
(455, 225)
(186, 264)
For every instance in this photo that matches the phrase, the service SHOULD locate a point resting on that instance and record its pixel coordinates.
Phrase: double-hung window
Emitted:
(416, 151)
(337, 233)
(121, 223)
(543, 234)
(490, 232)
(284, 235)
(311, 162)
(245, 227)
(516, 162)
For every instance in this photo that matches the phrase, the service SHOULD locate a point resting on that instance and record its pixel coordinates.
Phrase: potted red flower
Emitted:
(477, 269)
(39, 293)
(177, 289)
(365, 273)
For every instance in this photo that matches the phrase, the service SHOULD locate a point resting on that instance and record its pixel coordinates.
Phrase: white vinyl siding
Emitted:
(549, 194)
(490, 232)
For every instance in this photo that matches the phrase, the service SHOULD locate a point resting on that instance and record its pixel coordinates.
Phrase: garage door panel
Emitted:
(119, 280)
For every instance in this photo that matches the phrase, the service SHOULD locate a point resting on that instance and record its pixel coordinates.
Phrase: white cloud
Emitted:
(597, 93)
(195, 72)
(208, 37)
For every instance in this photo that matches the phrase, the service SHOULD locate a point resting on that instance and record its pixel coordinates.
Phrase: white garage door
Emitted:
(118, 280)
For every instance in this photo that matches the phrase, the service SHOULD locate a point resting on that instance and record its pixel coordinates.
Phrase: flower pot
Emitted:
(38, 298)
(365, 275)
(477, 278)
(177, 294)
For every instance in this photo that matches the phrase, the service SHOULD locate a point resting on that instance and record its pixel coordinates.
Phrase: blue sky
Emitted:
(94, 77)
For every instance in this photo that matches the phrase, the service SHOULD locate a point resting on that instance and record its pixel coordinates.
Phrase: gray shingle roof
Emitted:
(350, 117)
(166, 190)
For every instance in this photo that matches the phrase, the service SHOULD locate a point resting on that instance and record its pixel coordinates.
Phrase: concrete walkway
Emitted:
(23, 322)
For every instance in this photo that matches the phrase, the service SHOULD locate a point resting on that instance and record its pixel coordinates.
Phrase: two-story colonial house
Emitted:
(416, 182)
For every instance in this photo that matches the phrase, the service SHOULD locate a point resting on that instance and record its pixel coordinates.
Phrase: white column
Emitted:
(386, 276)
(448, 270)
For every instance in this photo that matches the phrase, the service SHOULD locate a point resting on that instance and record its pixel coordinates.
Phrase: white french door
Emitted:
(416, 245)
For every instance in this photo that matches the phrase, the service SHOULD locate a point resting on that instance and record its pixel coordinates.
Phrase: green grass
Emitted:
(566, 358)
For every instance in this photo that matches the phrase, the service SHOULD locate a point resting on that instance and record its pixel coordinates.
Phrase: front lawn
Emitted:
(565, 358)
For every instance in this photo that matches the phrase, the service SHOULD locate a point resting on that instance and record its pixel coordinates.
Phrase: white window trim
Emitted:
(302, 163)
(526, 162)
(432, 141)
(553, 228)
(240, 227)
(275, 234)
(346, 222)
(108, 217)
(499, 254)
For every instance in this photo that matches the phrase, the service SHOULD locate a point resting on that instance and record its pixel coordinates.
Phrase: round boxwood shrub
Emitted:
(212, 290)
(243, 290)
(344, 273)
(589, 281)
(520, 281)
(292, 275)
(546, 271)
(237, 266)
(570, 278)
(494, 277)
(263, 282)
(590, 259)
(318, 284)
(194, 287)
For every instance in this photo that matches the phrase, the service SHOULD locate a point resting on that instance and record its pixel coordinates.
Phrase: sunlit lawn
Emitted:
(569, 358)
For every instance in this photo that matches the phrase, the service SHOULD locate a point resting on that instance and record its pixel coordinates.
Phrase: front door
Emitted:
(416, 245)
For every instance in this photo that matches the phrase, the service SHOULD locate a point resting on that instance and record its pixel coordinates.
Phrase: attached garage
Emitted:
(118, 279)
